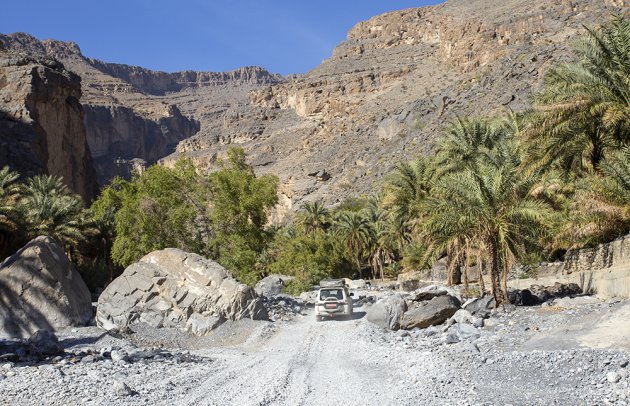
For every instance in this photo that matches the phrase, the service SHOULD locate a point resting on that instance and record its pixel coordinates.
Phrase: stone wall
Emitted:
(603, 270)
(615, 253)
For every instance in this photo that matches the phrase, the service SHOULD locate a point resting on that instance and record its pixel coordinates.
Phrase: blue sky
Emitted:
(281, 35)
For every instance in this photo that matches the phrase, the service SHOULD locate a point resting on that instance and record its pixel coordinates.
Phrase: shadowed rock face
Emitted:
(172, 288)
(121, 131)
(41, 290)
(41, 122)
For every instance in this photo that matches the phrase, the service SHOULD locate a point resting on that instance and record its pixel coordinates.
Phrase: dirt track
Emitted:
(314, 363)
(533, 356)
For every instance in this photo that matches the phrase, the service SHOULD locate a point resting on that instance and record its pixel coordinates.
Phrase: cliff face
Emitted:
(160, 83)
(384, 95)
(387, 92)
(41, 122)
(125, 127)
(120, 139)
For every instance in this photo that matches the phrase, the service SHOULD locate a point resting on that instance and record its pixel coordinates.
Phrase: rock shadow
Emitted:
(17, 317)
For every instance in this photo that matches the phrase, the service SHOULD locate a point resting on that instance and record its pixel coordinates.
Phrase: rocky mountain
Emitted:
(383, 96)
(388, 90)
(41, 121)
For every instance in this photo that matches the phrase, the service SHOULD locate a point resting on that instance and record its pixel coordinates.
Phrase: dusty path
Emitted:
(313, 363)
(521, 358)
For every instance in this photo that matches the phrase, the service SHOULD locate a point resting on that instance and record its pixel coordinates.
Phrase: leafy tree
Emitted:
(161, 208)
(308, 257)
(221, 215)
(240, 204)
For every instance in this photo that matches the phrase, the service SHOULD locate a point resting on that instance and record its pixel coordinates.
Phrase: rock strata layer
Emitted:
(172, 288)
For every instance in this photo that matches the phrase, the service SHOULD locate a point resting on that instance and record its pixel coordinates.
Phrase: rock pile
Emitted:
(282, 308)
(172, 288)
(41, 289)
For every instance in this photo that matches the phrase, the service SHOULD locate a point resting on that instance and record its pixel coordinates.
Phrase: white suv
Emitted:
(333, 301)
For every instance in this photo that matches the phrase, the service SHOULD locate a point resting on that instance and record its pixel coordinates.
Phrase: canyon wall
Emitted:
(41, 122)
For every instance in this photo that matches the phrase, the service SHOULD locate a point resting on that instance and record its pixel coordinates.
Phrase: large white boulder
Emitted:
(173, 288)
(41, 290)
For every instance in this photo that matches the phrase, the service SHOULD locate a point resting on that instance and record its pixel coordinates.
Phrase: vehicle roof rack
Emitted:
(332, 283)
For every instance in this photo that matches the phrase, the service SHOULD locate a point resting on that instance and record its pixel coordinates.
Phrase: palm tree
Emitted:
(490, 208)
(584, 109)
(383, 237)
(409, 184)
(353, 229)
(467, 142)
(314, 217)
(601, 211)
(50, 208)
(9, 215)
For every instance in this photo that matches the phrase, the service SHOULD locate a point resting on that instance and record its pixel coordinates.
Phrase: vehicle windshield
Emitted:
(331, 293)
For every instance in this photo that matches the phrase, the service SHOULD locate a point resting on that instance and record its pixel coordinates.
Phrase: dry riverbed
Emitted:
(572, 352)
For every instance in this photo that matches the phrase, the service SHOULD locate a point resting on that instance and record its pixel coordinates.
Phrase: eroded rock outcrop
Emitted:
(41, 290)
(41, 121)
(172, 288)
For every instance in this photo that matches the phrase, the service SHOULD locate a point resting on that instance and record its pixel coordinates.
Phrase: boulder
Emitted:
(463, 316)
(409, 281)
(464, 331)
(356, 283)
(427, 293)
(537, 294)
(387, 312)
(41, 290)
(433, 312)
(173, 288)
(272, 285)
(481, 306)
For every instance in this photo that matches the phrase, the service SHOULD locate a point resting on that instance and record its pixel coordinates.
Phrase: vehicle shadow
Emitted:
(358, 315)
(355, 316)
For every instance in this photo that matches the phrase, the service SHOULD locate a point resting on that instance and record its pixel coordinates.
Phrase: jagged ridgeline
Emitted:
(382, 97)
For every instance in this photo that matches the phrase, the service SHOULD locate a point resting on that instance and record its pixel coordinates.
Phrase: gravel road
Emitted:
(305, 362)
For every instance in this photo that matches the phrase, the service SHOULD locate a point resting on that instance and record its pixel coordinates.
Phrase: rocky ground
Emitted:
(567, 352)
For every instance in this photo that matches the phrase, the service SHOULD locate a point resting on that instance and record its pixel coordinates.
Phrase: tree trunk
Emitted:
(482, 285)
(449, 265)
(495, 272)
(466, 267)
(504, 278)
